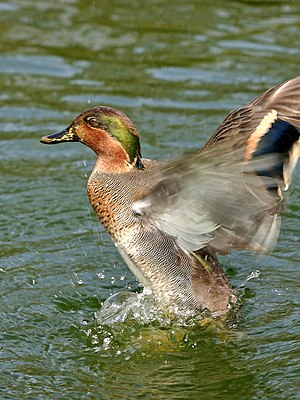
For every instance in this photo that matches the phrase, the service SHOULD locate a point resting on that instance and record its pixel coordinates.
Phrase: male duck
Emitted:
(169, 220)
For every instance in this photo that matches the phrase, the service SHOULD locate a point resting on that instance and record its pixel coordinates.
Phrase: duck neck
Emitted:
(110, 165)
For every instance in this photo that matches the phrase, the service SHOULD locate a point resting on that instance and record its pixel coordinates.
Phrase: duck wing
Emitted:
(229, 196)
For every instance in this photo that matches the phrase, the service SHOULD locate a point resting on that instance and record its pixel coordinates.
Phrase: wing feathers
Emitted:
(230, 194)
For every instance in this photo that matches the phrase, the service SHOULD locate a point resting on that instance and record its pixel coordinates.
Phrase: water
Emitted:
(176, 68)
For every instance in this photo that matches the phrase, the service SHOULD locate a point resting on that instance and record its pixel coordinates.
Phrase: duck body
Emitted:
(177, 278)
(169, 220)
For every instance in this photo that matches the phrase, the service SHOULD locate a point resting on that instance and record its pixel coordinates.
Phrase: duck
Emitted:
(171, 219)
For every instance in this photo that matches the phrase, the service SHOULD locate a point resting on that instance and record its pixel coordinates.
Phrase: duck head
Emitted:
(109, 133)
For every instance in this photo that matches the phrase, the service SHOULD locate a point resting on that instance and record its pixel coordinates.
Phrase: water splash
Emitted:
(131, 325)
(144, 309)
(123, 306)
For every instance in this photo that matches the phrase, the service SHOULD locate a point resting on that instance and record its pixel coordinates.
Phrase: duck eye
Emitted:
(92, 121)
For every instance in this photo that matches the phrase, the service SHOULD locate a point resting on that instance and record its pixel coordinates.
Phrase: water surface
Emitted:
(176, 68)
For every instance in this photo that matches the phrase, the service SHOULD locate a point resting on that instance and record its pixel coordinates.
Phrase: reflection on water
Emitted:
(176, 69)
(39, 65)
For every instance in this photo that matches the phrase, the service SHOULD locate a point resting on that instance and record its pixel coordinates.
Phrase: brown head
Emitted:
(108, 132)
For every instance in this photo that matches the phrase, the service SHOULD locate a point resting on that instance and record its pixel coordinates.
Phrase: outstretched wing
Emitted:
(229, 195)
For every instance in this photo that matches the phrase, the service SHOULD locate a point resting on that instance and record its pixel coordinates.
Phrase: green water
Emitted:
(176, 68)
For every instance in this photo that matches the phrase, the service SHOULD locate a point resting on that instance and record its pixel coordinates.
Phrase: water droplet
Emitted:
(106, 343)
(254, 274)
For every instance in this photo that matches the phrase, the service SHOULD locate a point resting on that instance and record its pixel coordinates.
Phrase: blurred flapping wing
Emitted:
(229, 195)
